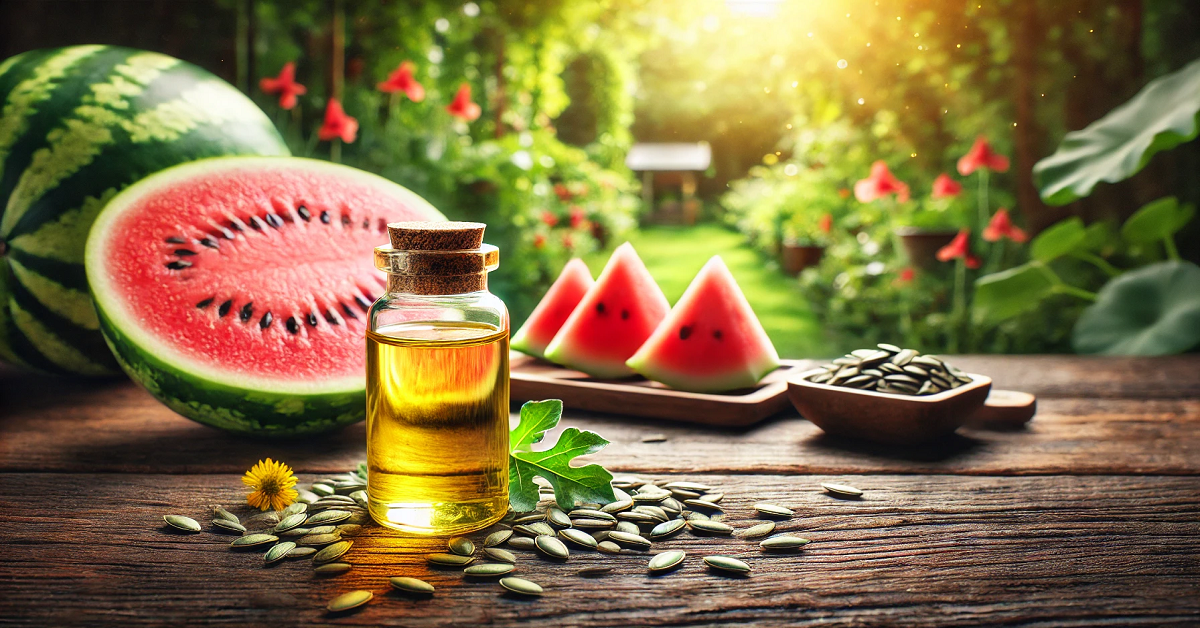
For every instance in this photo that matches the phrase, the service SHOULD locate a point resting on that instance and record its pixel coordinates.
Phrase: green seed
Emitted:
(608, 547)
(180, 522)
(461, 545)
(537, 516)
(657, 512)
(225, 525)
(349, 529)
(578, 537)
(327, 516)
(727, 564)
(588, 513)
(666, 560)
(253, 540)
(331, 569)
(592, 524)
(617, 506)
(557, 517)
(488, 569)
(318, 540)
(411, 585)
(360, 497)
(628, 527)
(760, 530)
(783, 542)
(522, 543)
(330, 553)
(449, 560)
(688, 486)
(552, 547)
(323, 530)
(322, 490)
(521, 585)
(306, 496)
(709, 526)
(497, 538)
(348, 601)
(294, 508)
(499, 555)
(700, 503)
(629, 540)
(301, 552)
(773, 510)
(291, 521)
(841, 490)
(278, 552)
(221, 513)
(637, 517)
(693, 516)
(713, 498)
(666, 529)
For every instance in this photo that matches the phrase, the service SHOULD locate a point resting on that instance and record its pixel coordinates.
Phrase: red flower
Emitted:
(578, 216)
(906, 275)
(982, 156)
(563, 192)
(879, 184)
(462, 107)
(337, 124)
(844, 192)
(539, 241)
(401, 81)
(1001, 226)
(959, 247)
(549, 218)
(945, 187)
(285, 85)
(826, 223)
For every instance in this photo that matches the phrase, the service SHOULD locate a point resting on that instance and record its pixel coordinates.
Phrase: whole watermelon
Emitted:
(77, 125)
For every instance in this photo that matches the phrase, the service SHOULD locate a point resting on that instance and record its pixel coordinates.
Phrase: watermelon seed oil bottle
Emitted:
(437, 383)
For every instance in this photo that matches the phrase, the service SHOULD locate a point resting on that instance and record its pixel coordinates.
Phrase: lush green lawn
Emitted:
(675, 254)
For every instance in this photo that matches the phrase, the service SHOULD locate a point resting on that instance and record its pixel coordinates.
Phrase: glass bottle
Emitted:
(437, 383)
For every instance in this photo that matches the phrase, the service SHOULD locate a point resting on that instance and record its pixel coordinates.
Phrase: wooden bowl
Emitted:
(883, 417)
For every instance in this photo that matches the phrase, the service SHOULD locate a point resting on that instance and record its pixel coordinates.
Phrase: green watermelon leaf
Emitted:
(1157, 220)
(1003, 295)
(1102, 238)
(1154, 310)
(1117, 146)
(589, 483)
(1059, 239)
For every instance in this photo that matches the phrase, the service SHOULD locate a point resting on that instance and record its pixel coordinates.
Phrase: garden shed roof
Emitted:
(669, 156)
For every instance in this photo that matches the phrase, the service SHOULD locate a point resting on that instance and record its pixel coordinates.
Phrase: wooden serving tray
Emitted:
(532, 378)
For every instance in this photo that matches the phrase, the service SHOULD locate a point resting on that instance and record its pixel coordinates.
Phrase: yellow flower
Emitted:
(272, 484)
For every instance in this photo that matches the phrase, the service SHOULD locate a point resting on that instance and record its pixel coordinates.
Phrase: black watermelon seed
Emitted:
(210, 243)
(349, 312)
(176, 240)
(233, 225)
(600, 308)
(274, 221)
(265, 321)
(246, 312)
(311, 319)
(205, 303)
(224, 309)
(255, 223)
(325, 217)
(182, 252)
(304, 213)
(345, 220)
(366, 223)
(292, 325)
(684, 332)
(363, 303)
(717, 334)
(178, 264)
(330, 317)
(624, 315)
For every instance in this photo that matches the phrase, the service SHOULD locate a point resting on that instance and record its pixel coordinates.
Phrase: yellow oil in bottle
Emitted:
(437, 426)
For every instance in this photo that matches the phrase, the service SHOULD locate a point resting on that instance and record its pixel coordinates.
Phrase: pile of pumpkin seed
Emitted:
(890, 369)
(643, 515)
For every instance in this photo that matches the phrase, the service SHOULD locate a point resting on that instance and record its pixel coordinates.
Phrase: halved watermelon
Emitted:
(614, 318)
(552, 311)
(711, 341)
(236, 290)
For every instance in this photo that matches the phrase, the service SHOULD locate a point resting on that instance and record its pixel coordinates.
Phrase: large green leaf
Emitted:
(1117, 146)
(536, 418)
(1153, 310)
(1156, 221)
(586, 484)
(1059, 239)
(1003, 295)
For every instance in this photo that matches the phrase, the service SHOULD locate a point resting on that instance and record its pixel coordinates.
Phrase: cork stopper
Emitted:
(436, 257)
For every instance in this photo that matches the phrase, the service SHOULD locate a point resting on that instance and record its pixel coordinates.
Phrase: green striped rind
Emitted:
(76, 126)
(242, 410)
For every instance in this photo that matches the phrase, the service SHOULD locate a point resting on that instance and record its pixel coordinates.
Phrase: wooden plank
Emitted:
(1167, 377)
(119, 428)
(915, 551)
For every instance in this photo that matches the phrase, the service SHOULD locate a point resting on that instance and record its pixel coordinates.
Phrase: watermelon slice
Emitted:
(237, 290)
(554, 308)
(711, 341)
(614, 318)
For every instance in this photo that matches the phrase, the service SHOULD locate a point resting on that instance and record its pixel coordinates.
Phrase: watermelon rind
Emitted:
(77, 125)
(237, 402)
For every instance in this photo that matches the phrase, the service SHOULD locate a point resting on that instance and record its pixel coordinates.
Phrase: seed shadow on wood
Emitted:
(942, 450)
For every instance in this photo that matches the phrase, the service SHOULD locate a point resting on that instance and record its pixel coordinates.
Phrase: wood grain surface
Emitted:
(1088, 517)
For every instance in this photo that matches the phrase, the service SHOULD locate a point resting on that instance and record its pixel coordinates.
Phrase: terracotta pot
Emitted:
(796, 257)
(921, 245)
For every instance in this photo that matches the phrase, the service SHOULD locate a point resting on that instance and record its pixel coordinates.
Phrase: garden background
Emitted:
(520, 114)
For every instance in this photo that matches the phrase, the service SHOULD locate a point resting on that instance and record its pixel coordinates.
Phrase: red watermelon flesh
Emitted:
(614, 318)
(251, 272)
(711, 341)
(552, 311)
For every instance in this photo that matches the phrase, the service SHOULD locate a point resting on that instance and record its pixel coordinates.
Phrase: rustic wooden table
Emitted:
(1090, 516)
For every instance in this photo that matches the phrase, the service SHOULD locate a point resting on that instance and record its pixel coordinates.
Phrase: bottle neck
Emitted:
(437, 284)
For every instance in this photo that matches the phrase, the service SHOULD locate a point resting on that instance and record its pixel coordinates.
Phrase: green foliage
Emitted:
(1156, 221)
(589, 483)
(1005, 294)
(1117, 146)
(1154, 310)
(1059, 239)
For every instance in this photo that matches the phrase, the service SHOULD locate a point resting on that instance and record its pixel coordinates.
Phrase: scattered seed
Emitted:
(578, 537)
(593, 572)
(318, 540)
(628, 527)
(654, 438)
(221, 513)
(666, 561)
(522, 543)
(557, 517)
(727, 564)
(294, 508)
(608, 547)
(713, 498)
(634, 516)
(331, 569)
(349, 601)
(841, 490)
(225, 525)
(552, 547)
(783, 542)
(327, 516)
(617, 506)
(499, 555)
(757, 531)
(349, 529)
(301, 552)
(253, 540)
(180, 522)
(322, 490)
(537, 516)
(700, 503)
(632, 541)
(291, 521)
(667, 529)
(332, 552)
(296, 532)
(461, 545)
(411, 585)
(773, 510)
(278, 552)
(497, 538)
(521, 585)
(709, 526)
(588, 513)
(322, 530)
(488, 570)
(689, 486)
(449, 560)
